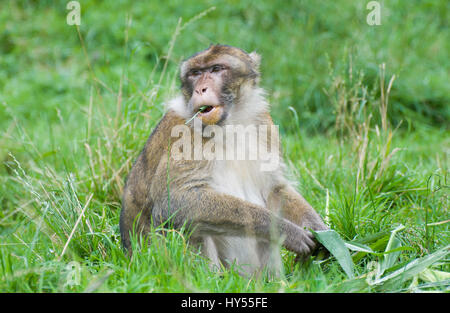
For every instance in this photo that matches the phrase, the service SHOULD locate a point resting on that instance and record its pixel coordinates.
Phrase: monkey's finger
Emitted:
(307, 244)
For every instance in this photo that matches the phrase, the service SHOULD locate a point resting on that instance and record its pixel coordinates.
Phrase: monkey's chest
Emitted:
(242, 179)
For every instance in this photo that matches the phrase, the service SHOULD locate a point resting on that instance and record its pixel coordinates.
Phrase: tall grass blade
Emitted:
(333, 242)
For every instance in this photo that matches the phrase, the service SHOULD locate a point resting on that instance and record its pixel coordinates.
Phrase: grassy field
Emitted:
(364, 113)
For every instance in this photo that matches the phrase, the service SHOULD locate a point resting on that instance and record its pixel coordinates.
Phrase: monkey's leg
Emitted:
(133, 219)
(213, 213)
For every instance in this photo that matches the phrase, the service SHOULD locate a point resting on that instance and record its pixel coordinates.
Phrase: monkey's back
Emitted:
(136, 200)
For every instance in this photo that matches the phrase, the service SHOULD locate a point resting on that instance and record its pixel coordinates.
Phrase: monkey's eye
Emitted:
(195, 73)
(216, 68)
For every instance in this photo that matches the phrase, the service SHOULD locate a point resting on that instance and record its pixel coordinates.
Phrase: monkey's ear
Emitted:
(256, 58)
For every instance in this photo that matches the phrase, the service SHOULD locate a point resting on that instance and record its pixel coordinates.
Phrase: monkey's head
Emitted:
(216, 79)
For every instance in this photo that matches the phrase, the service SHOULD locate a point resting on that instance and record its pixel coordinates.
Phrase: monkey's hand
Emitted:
(303, 243)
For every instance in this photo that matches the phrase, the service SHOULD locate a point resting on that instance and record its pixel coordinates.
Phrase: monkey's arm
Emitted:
(294, 207)
(211, 212)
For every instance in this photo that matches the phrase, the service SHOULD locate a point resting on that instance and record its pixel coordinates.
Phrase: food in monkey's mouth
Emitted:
(205, 109)
(208, 114)
(202, 108)
(211, 115)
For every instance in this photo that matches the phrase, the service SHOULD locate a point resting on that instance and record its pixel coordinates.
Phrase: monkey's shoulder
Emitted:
(155, 148)
(161, 133)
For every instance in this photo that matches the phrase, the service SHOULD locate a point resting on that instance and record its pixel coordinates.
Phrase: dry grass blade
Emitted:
(75, 226)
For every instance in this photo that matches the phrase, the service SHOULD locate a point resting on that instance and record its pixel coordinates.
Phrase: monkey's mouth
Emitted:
(210, 114)
(205, 109)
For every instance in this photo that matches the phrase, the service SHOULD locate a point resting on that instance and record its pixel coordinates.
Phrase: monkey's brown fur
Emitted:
(223, 222)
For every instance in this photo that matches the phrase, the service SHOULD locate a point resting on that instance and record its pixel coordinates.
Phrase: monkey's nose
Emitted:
(201, 90)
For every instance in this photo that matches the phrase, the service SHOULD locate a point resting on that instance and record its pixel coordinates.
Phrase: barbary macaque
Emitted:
(239, 210)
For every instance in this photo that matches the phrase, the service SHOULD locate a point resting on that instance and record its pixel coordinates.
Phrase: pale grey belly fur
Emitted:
(242, 179)
(249, 255)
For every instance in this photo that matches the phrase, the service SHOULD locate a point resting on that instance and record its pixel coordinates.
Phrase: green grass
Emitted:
(72, 124)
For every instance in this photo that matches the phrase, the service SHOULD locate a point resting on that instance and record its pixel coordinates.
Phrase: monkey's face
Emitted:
(211, 81)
